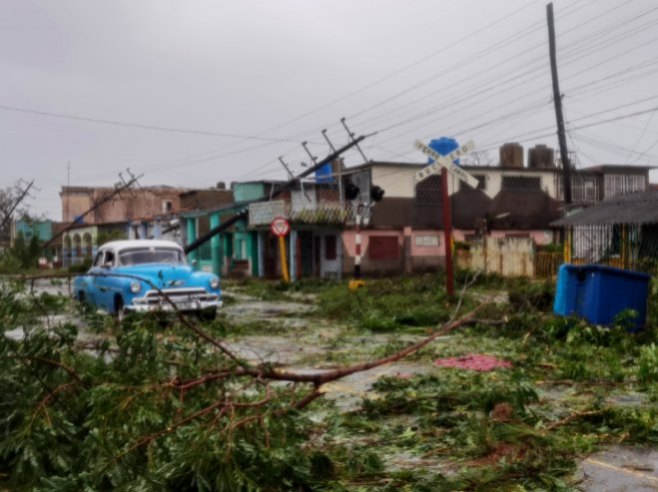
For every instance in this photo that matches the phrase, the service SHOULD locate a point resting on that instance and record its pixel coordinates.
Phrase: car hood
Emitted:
(163, 276)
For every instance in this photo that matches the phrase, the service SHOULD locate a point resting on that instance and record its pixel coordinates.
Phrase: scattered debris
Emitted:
(474, 362)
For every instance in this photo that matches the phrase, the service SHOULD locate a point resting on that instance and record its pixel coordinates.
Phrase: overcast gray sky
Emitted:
(246, 81)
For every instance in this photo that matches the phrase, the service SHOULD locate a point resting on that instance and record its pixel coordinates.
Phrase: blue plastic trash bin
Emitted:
(599, 293)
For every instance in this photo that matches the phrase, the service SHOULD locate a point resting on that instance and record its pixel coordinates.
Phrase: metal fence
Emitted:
(628, 246)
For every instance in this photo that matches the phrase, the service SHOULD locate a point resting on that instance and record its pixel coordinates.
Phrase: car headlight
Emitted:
(214, 283)
(135, 286)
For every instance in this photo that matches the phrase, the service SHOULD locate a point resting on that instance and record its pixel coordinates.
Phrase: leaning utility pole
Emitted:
(16, 203)
(118, 188)
(244, 213)
(557, 100)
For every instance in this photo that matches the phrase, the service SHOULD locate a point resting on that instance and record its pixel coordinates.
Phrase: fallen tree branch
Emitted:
(43, 360)
(321, 378)
(571, 418)
(181, 316)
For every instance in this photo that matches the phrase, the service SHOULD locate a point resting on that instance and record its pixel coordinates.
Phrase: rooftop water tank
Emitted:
(511, 155)
(541, 157)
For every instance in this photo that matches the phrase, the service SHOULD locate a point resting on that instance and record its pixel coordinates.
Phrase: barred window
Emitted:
(616, 184)
(429, 191)
(521, 183)
(584, 188)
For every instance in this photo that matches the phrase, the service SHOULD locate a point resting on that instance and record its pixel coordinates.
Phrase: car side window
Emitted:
(109, 258)
(98, 261)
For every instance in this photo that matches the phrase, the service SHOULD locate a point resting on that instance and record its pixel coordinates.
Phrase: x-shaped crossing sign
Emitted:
(445, 161)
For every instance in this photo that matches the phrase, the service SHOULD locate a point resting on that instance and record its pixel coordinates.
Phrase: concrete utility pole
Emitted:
(557, 100)
(244, 213)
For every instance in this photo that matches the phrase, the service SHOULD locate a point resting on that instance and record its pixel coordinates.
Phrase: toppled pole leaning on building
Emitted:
(243, 214)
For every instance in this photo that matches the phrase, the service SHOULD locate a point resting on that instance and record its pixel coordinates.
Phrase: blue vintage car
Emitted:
(132, 276)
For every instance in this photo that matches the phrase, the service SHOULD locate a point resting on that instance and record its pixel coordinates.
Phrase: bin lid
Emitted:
(593, 267)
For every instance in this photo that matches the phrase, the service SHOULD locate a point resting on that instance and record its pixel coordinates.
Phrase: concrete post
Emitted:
(408, 257)
(293, 255)
(261, 254)
(190, 223)
(157, 230)
(215, 246)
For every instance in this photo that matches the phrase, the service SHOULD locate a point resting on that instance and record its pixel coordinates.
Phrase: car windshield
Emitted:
(139, 256)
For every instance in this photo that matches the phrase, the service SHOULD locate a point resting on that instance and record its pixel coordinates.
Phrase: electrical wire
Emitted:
(139, 125)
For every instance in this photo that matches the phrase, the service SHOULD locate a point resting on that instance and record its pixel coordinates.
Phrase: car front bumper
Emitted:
(175, 300)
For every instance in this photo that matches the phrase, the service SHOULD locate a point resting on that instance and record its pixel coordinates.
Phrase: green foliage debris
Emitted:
(89, 404)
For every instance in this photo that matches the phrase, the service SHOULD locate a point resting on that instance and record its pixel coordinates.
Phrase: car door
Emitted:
(90, 278)
(103, 282)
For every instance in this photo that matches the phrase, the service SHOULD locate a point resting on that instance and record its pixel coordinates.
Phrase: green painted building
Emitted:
(234, 251)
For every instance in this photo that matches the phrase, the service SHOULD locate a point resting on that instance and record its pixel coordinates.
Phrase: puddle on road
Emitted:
(348, 392)
(253, 309)
(49, 286)
(618, 469)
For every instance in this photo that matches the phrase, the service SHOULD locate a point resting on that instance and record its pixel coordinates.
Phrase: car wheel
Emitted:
(119, 310)
(81, 299)
(208, 314)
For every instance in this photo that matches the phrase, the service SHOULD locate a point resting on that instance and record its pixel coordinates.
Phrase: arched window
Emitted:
(67, 246)
(77, 245)
(86, 242)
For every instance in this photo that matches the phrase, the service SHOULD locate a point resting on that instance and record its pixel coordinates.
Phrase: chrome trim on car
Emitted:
(187, 299)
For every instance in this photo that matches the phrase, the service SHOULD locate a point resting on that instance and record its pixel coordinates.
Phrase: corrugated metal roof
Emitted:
(634, 208)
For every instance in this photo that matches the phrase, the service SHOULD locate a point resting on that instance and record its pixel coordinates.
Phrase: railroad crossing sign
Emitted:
(445, 161)
(280, 227)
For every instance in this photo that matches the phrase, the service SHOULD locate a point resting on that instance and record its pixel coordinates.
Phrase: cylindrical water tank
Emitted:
(511, 155)
(541, 157)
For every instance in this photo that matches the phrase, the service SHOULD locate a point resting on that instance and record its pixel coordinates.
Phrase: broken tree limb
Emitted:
(322, 378)
(15, 204)
(181, 316)
(267, 372)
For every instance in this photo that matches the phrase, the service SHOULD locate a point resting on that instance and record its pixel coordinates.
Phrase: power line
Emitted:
(639, 139)
(140, 125)
(453, 101)
(514, 77)
(450, 70)
(402, 69)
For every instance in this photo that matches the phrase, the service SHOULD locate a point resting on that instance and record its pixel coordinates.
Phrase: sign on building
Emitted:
(263, 213)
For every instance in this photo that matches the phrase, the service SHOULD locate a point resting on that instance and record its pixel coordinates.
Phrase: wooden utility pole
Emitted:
(119, 187)
(557, 100)
(7, 214)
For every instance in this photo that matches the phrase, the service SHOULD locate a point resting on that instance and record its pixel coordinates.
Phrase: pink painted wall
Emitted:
(539, 237)
(437, 250)
(349, 240)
